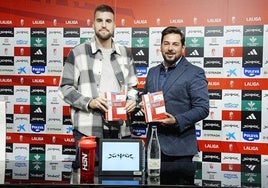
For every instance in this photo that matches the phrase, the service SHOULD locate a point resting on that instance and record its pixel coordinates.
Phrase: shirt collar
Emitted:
(95, 47)
(173, 65)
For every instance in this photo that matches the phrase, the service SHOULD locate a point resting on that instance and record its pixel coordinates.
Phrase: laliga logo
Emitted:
(84, 161)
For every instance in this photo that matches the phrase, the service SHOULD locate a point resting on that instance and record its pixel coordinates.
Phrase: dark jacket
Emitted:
(186, 97)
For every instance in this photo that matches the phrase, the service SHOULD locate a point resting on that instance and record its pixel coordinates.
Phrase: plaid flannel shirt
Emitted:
(78, 84)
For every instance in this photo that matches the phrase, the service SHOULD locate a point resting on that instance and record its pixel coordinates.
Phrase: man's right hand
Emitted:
(99, 103)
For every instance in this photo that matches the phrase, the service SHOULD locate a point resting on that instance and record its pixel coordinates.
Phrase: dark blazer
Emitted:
(186, 97)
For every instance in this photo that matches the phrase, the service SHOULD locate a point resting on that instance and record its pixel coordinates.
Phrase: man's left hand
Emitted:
(169, 120)
(130, 105)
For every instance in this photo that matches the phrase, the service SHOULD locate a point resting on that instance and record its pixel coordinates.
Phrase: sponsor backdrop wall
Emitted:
(229, 39)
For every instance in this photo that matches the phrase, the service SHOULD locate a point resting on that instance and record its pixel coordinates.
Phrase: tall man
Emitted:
(90, 70)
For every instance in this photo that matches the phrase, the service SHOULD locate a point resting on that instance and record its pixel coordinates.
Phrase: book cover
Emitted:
(116, 106)
(154, 106)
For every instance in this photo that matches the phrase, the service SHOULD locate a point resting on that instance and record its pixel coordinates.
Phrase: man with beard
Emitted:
(185, 92)
(91, 69)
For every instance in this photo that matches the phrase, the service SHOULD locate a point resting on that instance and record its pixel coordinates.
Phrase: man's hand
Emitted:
(142, 106)
(130, 105)
(170, 120)
(99, 103)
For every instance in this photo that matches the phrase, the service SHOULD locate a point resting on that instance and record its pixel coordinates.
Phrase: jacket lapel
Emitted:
(156, 78)
(180, 68)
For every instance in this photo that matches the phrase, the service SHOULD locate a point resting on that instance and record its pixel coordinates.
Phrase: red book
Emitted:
(116, 106)
(154, 106)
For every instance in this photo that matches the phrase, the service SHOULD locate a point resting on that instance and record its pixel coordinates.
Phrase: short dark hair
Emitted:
(103, 8)
(172, 29)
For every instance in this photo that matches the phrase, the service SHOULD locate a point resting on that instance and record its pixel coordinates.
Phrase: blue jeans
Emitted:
(77, 136)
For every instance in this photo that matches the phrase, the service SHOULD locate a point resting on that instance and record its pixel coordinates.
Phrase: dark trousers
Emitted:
(167, 158)
(177, 170)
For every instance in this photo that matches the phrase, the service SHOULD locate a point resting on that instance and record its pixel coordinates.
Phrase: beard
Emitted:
(170, 61)
(103, 37)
